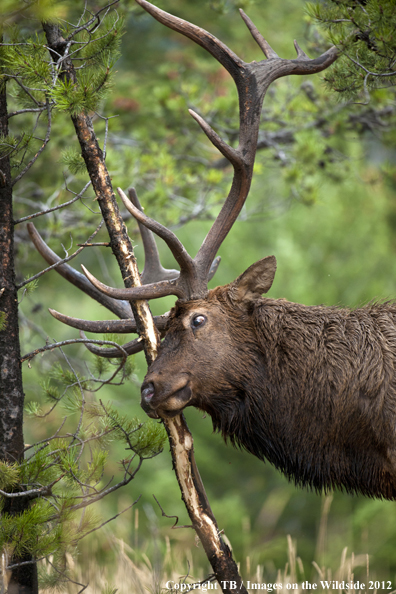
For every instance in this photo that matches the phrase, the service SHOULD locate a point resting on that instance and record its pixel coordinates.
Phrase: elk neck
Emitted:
(311, 389)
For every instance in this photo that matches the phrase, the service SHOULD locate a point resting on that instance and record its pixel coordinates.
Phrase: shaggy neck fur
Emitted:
(318, 397)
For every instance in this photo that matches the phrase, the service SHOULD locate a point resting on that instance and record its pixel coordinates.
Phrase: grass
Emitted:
(128, 576)
(170, 561)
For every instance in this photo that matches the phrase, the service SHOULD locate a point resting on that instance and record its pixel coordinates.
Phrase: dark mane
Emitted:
(308, 376)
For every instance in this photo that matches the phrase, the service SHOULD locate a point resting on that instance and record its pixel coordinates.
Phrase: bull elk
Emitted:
(311, 389)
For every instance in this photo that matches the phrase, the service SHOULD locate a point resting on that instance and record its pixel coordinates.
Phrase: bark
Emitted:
(24, 578)
(119, 239)
(198, 507)
(181, 441)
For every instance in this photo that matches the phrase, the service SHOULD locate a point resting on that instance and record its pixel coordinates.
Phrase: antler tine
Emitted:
(176, 247)
(130, 348)
(214, 46)
(226, 150)
(300, 53)
(156, 271)
(122, 310)
(259, 39)
(151, 291)
(153, 270)
(252, 81)
(103, 327)
(106, 326)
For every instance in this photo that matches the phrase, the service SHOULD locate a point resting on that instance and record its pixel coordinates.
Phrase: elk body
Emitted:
(311, 389)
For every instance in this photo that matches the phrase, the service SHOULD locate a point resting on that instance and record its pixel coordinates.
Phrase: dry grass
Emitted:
(130, 577)
(154, 566)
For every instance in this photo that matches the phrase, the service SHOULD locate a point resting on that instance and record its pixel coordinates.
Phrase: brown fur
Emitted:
(311, 389)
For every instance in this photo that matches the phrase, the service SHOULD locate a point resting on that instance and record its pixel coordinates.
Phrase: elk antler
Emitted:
(122, 309)
(107, 326)
(252, 81)
(153, 270)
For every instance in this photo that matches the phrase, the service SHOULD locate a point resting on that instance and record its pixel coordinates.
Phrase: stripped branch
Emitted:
(59, 207)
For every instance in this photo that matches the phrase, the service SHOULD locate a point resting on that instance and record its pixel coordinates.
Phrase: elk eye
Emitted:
(197, 321)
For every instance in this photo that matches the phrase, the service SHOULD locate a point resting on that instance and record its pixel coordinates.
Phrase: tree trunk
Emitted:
(24, 578)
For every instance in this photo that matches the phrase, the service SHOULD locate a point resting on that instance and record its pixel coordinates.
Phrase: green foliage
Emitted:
(104, 366)
(144, 439)
(150, 441)
(33, 409)
(51, 392)
(73, 161)
(85, 96)
(14, 11)
(127, 367)
(36, 467)
(38, 529)
(31, 287)
(62, 374)
(36, 83)
(59, 470)
(71, 403)
(365, 34)
(102, 48)
(29, 61)
(101, 365)
(3, 320)
(96, 58)
(8, 144)
(9, 476)
(67, 472)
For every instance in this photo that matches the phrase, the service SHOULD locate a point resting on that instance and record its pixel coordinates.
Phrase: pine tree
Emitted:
(364, 32)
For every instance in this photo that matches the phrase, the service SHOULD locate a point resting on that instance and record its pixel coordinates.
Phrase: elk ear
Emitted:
(255, 281)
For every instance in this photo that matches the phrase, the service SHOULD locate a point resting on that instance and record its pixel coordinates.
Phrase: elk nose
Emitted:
(147, 392)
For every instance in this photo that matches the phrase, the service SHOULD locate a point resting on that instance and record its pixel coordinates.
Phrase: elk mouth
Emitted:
(156, 404)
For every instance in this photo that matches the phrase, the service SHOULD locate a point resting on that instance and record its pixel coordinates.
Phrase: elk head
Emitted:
(205, 338)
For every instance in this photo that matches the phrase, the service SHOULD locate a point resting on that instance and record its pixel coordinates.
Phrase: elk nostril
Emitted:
(148, 391)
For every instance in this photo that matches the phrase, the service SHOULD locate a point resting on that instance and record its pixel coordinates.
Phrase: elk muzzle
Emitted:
(161, 398)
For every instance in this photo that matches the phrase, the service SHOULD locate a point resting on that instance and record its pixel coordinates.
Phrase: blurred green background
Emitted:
(330, 222)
